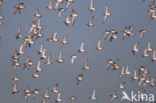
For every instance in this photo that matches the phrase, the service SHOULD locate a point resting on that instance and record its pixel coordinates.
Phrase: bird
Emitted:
(99, 45)
(15, 60)
(39, 27)
(154, 55)
(145, 54)
(141, 81)
(50, 39)
(142, 32)
(106, 14)
(128, 31)
(20, 52)
(121, 86)
(67, 22)
(79, 78)
(41, 48)
(1, 23)
(73, 57)
(122, 73)
(135, 77)
(61, 10)
(50, 7)
(39, 34)
(43, 100)
(86, 66)
(113, 96)
(15, 79)
(135, 49)
(43, 56)
(113, 35)
(15, 56)
(48, 60)
(38, 68)
(35, 31)
(14, 91)
(2, 2)
(107, 32)
(110, 62)
(127, 72)
(19, 35)
(29, 40)
(91, 8)
(146, 70)
(46, 94)
(141, 69)
(37, 15)
(72, 98)
(74, 15)
(28, 63)
(147, 81)
(58, 99)
(35, 92)
(152, 5)
(64, 41)
(82, 49)
(1, 16)
(60, 59)
(149, 49)
(18, 7)
(68, 3)
(116, 65)
(27, 93)
(152, 83)
(55, 39)
(36, 74)
(54, 89)
(93, 97)
(90, 24)
(58, 2)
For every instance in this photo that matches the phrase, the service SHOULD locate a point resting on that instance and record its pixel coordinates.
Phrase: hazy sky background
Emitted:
(124, 13)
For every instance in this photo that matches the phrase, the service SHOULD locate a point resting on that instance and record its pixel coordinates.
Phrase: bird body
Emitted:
(93, 97)
(60, 60)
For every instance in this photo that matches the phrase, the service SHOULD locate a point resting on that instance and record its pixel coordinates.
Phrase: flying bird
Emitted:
(58, 2)
(135, 49)
(73, 57)
(154, 55)
(106, 14)
(74, 15)
(93, 97)
(60, 59)
(86, 66)
(54, 89)
(91, 8)
(19, 35)
(58, 99)
(35, 92)
(82, 49)
(50, 7)
(99, 45)
(79, 78)
(142, 32)
(90, 24)
(68, 3)
(61, 10)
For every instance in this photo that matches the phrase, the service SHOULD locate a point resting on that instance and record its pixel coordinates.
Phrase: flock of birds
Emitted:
(142, 74)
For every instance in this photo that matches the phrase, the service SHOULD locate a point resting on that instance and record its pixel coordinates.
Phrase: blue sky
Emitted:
(123, 13)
